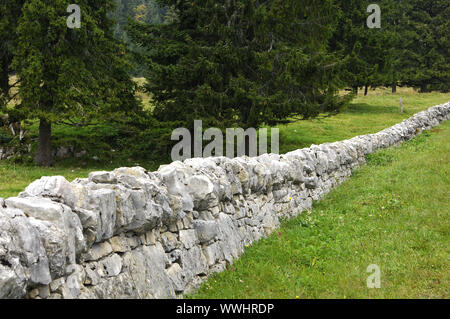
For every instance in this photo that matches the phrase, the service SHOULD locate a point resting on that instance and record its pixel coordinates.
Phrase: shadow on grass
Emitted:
(364, 108)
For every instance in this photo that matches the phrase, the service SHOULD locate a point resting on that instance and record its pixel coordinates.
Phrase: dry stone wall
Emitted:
(130, 233)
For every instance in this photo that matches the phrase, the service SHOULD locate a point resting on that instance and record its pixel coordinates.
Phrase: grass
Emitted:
(15, 178)
(394, 213)
(366, 114)
(146, 99)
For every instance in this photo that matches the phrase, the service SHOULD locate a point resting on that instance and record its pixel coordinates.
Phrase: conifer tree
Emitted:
(364, 50)
(417, 42)
(244, 63)
(423, 53)
(9, 15)
(69, 76)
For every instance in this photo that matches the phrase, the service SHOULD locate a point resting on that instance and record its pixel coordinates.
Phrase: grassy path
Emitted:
(394, 212)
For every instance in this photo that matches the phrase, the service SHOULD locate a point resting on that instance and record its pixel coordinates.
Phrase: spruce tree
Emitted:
(424, 58)
(418, 55)
(364, 50)
(69, 76)
(10, 12)
(241, 63)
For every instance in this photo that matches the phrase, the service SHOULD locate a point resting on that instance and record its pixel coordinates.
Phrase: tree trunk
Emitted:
(424, 89)
(355, 89)
(394, 88)
(4, 78)
(366, 89)
(44, 154)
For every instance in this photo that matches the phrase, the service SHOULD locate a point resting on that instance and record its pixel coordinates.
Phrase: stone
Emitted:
(34, 293)
(194, 262)
(56, 284)
(111, 266)
(119, 244)
(311, 182)
(230, 238)
(60, 230)
(90, 223)
(206, 230)
(151, 237)
(174, 256)
(202, 191)
(98, 251)
(180, 225)
(66, 292)
(137, 172)
(177, 277)
(219, 267)
(119, 287)
(133, 242)
(174, 177)
(169, 241)
(92, 278)
(44, 292)
(103, 203)
(102, 177)
(137, 234)
(138, 213)
(188, 238)
(22, 252)
(148, 266)
(213, 253)
(11, 285)
(74, 282)
(55, 187)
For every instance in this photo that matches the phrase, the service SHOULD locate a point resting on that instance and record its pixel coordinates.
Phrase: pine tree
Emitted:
(424, 58)
(9, 15)
(364, 50)
(241, 63)
(69, 76)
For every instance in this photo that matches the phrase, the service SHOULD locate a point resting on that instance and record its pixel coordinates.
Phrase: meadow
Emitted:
(393, 213)
(366, 114)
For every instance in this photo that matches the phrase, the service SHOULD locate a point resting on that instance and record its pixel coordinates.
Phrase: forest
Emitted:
(137, 69)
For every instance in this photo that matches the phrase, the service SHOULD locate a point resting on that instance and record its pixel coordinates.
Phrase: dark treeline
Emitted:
(230, 63)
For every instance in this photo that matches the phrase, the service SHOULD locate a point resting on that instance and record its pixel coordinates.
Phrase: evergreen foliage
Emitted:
(240, 62)
(245, 63)
(424, 50)
(9, 13)
(71, 76)
(365, 51)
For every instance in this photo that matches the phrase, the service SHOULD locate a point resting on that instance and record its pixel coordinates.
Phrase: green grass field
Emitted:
(366, 114)
(394, 213)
